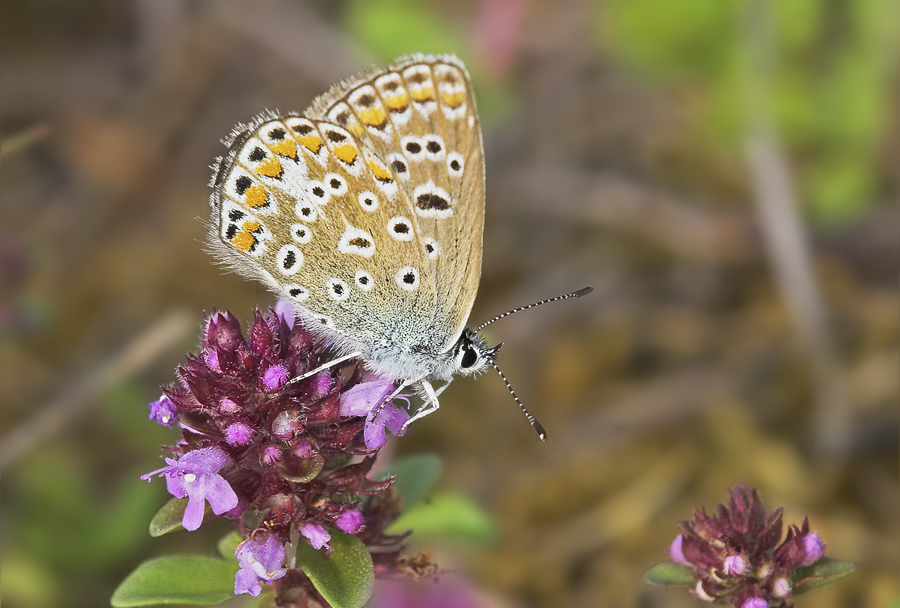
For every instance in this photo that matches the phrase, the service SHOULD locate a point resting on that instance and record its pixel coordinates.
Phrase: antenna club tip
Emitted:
(540, 430)
(582, 292)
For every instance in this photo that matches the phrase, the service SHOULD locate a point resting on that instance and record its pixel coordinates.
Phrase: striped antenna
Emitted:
(534, 423)
(575, 294)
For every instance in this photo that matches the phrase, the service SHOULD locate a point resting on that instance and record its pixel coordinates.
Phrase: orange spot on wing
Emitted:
(374, 117)
(251, 226)
(271, 167)
(380, 173)
(244, 240)
(397, 103)
(285, 147)
(357, 129)
(346, 153)
(422, 94)
(312, 143)
(256, 196)
(454, 100)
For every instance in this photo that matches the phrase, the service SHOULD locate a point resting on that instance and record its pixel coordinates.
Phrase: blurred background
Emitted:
(725, 174)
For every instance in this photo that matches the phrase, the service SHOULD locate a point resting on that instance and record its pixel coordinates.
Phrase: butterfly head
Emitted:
(472, 355)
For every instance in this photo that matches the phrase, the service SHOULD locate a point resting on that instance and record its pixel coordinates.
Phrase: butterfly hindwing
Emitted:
(419, 116)
(366, 211)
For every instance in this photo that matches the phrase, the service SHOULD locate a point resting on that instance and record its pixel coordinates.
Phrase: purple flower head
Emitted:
(737, 553)
(163, 411)
(317, 536)
(195, 475)
(349, 521)
(283, 458)
(260, 563)
(365, 397)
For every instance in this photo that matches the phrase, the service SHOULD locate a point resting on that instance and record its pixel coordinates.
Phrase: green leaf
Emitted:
(669, 574)
(177, 579)
(308, 471)
(414, 477)
(168, 519)
(345, 576)
(228, 544)
(823, 572)
(447, 515)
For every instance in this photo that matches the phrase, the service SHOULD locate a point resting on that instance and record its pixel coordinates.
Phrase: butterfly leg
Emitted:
(438, 392)
(377, 409)
(322, 367)
(430, 406)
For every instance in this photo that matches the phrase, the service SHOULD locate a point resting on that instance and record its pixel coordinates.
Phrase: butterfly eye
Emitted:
(468, 358)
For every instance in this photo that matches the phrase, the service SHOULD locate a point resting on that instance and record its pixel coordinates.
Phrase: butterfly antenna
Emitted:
(534, 423)
(575, 294)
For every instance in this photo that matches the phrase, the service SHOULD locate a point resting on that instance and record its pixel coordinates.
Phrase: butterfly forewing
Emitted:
(367, 211)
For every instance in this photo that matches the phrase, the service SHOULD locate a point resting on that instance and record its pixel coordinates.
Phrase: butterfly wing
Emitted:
(303, 206)
(419, 116)
(376, 241)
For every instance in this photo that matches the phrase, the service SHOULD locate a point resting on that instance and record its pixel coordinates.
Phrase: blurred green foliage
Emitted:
(390, 28)
(830, 73)
(74, 513)
(450, 516)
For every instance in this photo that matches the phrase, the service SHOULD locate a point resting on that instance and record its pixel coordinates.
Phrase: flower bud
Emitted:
(813, 547)
(735, 565)
(781, 588)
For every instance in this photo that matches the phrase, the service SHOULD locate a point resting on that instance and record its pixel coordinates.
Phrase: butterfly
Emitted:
(366, 212)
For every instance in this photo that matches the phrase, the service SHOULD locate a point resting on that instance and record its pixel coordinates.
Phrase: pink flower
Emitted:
(676, 553)
(195, 475)
(814, 548)
(362, 399)
(349, 521)
(260, 562)
(163, 411)
(317, 536)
